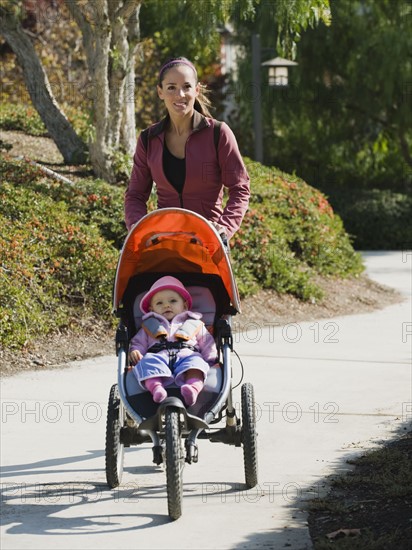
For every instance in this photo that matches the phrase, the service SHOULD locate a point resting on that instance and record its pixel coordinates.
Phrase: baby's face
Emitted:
(168, 303)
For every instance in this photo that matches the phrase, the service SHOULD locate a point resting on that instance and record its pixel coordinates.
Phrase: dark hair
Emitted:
(202, 102)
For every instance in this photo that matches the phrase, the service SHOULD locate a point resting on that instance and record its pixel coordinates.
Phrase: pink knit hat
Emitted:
(165, 283)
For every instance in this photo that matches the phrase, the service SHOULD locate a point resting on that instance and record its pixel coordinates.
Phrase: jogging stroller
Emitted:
(181, 243)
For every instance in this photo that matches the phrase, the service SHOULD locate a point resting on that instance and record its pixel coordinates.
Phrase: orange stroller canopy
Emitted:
(173, 240)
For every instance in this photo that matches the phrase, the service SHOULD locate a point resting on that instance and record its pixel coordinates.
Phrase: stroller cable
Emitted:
(242, 369)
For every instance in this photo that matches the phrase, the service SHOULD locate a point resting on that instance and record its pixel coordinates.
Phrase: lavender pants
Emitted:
(154, 365)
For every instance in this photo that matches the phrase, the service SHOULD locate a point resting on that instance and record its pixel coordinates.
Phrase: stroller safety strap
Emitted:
(170, 346)
(189, 329)
(154, 328)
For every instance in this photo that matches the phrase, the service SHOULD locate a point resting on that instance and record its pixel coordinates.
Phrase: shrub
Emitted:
(59, 246)
(21, 117)
(24, 117)
(289, 234)
(377, 218)
(55, 268)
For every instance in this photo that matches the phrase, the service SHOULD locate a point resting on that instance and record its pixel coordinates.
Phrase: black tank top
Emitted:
(174, 169)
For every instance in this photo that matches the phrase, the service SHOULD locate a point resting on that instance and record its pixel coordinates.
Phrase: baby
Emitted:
(173, 344)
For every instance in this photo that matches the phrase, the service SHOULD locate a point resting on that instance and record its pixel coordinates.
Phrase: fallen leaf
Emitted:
(340, 533)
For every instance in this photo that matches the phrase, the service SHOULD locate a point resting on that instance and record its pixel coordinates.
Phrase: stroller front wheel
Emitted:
(114, 446)
(249, 435)
(174, 463)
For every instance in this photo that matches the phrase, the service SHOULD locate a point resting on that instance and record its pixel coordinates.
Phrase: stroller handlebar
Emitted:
(225, 241)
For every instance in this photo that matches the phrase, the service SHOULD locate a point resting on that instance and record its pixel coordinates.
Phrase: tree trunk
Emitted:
(100, 148)
(110, 49)
(117, 78)
(124, 43)
(70, 145)
(128, 128)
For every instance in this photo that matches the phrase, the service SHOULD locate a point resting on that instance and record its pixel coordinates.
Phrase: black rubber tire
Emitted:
(174, 463)
(114, 446)
(249, 435)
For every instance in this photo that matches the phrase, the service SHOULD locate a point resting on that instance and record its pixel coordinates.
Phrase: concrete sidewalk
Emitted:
(325, 390)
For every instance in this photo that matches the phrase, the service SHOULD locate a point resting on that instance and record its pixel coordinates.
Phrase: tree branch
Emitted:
(85, 28)
(126, 10)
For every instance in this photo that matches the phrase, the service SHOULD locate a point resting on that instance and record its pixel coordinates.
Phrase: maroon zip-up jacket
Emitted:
(208, 172)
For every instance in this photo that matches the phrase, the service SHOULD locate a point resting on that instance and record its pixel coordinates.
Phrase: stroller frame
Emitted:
(136, 419)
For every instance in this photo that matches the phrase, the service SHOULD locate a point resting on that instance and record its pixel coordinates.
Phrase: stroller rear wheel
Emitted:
(249, 435)
(174, 463)
(114, 446)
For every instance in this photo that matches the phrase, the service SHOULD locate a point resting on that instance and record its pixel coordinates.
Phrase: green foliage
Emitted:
(289, 235)
(175, 23)
(296, 16)
(348, 119)
(122, 164)
(378, 218)
(21, 117)
(59, 246)
(80, 118)
(344, 123)
(56, 265)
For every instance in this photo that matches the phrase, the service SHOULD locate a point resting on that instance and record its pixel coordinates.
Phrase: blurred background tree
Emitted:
(344, 123)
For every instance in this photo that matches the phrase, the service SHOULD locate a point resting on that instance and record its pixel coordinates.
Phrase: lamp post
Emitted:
(256, 99)
(278, 71)
(278, 76)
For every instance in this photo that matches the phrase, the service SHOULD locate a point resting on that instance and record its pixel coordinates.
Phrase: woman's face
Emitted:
(179, 90)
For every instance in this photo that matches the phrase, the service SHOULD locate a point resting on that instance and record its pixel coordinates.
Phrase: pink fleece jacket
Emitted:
(203, 340)
(208, 172)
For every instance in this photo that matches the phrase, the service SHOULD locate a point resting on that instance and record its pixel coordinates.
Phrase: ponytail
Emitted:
(202, 102)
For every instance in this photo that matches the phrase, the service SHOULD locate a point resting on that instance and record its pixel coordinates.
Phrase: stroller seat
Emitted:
(204, 303)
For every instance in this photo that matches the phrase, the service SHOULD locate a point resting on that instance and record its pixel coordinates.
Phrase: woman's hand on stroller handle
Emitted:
(221, 229)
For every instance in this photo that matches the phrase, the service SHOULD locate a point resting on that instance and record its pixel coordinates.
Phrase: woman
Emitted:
(190, 159)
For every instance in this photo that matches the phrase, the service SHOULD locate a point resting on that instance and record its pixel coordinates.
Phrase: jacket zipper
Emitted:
(181, 194)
